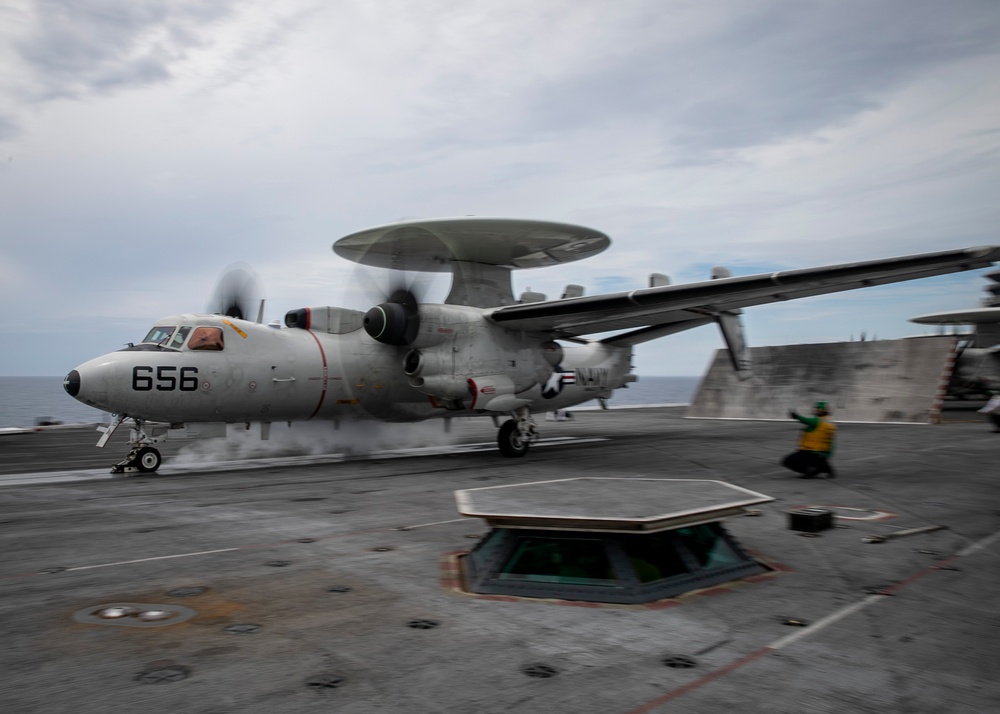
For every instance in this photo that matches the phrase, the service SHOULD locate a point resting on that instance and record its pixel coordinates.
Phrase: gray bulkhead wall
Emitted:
(870, 381)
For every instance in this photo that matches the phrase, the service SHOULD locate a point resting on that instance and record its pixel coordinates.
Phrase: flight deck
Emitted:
(330, 582)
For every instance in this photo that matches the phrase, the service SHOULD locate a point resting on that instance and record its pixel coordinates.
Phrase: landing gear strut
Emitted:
(516, 435)
(141, 457)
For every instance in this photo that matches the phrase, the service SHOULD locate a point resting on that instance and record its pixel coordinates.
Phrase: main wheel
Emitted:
(147, 460)
(509, 440)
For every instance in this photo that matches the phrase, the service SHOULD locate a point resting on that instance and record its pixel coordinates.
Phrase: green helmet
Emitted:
(820, 405)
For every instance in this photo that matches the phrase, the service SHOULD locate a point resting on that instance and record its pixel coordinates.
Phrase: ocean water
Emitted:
(26, 400)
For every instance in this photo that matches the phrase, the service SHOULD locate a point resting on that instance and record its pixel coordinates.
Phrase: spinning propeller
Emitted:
(239, 293)
(395, 319)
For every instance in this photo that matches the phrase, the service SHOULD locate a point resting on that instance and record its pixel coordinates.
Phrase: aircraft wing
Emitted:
(655, 312)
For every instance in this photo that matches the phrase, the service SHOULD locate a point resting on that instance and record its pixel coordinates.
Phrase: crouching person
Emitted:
(815, 444)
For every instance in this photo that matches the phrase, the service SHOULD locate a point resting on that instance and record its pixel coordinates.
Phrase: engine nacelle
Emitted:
(332, 320)
(429, 373)
(552, 353)
(495, 393)
(396, 321)
(458, 354)
(442, 386)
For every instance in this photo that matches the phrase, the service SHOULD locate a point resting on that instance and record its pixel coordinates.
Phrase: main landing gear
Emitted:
(141, 457)
(516, 435)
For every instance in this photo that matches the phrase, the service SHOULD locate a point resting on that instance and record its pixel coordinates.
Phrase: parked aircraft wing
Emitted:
(674, 308)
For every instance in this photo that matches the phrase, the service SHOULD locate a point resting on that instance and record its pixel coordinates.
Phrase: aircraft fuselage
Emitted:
(259, 373)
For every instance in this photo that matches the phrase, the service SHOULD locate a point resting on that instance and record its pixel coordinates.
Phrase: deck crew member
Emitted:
(992, 410)
(815, 443)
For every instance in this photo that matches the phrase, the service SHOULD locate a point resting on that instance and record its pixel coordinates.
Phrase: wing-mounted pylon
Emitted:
(730, 324)
(733, 332)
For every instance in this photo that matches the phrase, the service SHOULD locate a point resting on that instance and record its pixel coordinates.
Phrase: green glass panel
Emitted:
(708, 546)
(571, 561)
(653, 557)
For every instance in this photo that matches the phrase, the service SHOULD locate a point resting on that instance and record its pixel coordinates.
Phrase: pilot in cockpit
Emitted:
(206, 338)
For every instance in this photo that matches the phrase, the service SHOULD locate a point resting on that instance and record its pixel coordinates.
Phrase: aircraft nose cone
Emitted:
(92, 382)
(72, 383)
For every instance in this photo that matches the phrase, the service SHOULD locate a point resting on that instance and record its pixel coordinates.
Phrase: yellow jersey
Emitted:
(818, 435)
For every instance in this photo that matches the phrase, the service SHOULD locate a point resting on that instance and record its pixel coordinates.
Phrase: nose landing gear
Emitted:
(147, 459)
(141, 457)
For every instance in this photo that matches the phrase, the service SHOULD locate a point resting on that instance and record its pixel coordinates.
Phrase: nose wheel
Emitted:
(141, 457)
(147, 459)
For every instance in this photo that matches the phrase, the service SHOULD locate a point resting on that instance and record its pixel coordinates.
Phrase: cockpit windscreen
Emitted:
(160, 335)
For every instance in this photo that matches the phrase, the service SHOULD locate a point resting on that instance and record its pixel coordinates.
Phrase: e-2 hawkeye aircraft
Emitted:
(481, 353)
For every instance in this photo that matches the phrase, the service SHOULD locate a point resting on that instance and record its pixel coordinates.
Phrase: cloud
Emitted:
(704, 80)
(78, 48)
(8, 130)
(154, 143)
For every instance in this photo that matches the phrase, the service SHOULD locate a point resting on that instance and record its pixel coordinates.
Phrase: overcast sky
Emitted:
(144, 146)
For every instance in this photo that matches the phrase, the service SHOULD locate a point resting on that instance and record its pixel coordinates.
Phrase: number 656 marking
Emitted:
(166, 378)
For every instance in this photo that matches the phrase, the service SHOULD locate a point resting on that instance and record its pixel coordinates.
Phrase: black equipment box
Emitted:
(810, 520)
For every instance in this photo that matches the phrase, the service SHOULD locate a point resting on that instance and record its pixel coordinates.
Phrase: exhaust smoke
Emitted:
(356, 438)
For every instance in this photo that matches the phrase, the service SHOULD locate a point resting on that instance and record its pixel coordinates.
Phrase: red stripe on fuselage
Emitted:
(322, 395)
(475, 392)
